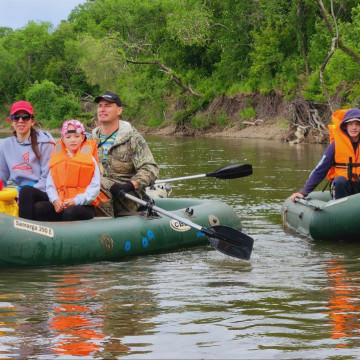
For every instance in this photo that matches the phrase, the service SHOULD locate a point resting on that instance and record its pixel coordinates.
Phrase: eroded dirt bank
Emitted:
(274, 119)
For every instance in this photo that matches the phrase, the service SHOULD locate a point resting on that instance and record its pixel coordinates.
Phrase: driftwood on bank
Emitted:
(307, 121)
(256, 122)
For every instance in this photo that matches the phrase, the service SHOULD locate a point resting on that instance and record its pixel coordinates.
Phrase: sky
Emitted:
(17, 13)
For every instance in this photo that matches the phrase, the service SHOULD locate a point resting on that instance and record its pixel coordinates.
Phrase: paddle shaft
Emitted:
(308, 203)
(164, 212)
(180, 178)
(227, 172)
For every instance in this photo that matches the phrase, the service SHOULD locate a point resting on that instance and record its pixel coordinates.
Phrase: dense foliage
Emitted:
(156, 53)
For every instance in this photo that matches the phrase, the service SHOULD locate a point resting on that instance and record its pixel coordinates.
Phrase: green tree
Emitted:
(52, 104)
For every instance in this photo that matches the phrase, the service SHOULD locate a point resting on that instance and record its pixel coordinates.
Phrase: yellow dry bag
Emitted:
(8, 203)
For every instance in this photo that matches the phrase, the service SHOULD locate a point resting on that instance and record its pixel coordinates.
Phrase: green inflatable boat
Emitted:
(321, 218)
(31, 243)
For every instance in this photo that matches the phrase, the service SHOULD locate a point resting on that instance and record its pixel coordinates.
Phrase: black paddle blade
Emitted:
(230, 241)
(232, 171)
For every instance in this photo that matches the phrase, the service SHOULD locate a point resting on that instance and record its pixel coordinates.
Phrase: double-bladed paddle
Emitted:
(226, 172)
(223, 238)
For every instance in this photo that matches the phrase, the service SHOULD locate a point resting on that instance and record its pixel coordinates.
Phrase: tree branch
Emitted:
(348, 51)
(335, 42)
(340, 43)
(162, 67)
(324, 14)
(168, 71)
(301, 36)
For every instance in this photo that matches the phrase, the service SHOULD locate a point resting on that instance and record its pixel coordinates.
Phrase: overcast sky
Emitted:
(17, 13)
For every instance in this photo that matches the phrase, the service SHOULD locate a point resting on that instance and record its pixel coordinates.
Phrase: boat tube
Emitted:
(33, 243)
(319, 217)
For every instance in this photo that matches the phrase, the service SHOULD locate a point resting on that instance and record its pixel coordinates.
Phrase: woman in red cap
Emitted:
(25, 156)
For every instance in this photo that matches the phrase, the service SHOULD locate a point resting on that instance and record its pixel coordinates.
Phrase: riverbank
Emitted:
(251, 116)
(276, 129)
(271, 130)
(269, 117)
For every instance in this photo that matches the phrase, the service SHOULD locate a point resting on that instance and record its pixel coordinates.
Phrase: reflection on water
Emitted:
(77, 331)
(344, 305)
(296, 298)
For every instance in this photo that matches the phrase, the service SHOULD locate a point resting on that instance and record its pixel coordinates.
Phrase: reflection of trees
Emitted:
(344, 307)
(19, 321)
(130, 309)
(91, 317)
(76, 311)
(6, 324)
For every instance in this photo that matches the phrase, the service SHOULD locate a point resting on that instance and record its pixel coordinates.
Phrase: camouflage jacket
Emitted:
(129, 158)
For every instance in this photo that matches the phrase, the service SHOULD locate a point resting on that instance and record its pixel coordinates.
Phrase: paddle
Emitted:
(223, 238)
(226, 172)
(308, 203)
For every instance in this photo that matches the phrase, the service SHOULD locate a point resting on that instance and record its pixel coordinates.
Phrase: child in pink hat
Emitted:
(73, 183)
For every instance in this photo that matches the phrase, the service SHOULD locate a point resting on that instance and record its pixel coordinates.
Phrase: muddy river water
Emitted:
(295, 299)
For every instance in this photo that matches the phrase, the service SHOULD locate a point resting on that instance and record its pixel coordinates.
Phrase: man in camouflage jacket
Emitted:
(128, 163)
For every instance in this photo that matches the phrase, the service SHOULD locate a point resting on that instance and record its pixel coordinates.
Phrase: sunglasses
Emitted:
(25, 117)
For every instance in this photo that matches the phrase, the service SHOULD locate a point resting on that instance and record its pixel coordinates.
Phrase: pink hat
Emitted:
(21, 105)
(79, 127)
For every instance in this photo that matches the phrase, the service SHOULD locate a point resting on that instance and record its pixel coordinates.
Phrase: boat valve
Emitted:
(190, 212)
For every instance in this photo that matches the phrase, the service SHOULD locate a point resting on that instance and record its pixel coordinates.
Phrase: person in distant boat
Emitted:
(73, 183)
(340, 162)
(127, 161)
(25, 156)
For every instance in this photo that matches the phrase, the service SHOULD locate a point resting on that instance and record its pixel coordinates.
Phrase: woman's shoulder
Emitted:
(8, 140)
(44, 137)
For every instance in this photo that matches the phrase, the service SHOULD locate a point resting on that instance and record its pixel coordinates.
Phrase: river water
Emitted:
(295, 298)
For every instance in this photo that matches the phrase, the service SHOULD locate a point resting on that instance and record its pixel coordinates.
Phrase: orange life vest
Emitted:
(72, 175)
(346, 160)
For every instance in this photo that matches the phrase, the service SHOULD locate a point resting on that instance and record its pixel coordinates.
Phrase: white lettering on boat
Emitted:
(39, 229)
(179, 226)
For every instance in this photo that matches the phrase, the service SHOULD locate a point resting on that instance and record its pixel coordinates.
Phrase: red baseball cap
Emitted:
(21, 105)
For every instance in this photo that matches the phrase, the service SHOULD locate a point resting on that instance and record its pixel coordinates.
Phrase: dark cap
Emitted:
(352, 115)
(109, 96)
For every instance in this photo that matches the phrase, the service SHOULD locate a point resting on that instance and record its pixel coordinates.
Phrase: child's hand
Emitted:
(69, 202)
(58, 205)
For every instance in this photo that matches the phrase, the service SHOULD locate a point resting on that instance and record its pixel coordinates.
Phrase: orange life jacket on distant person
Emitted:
(346, 161)
(72, 175)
